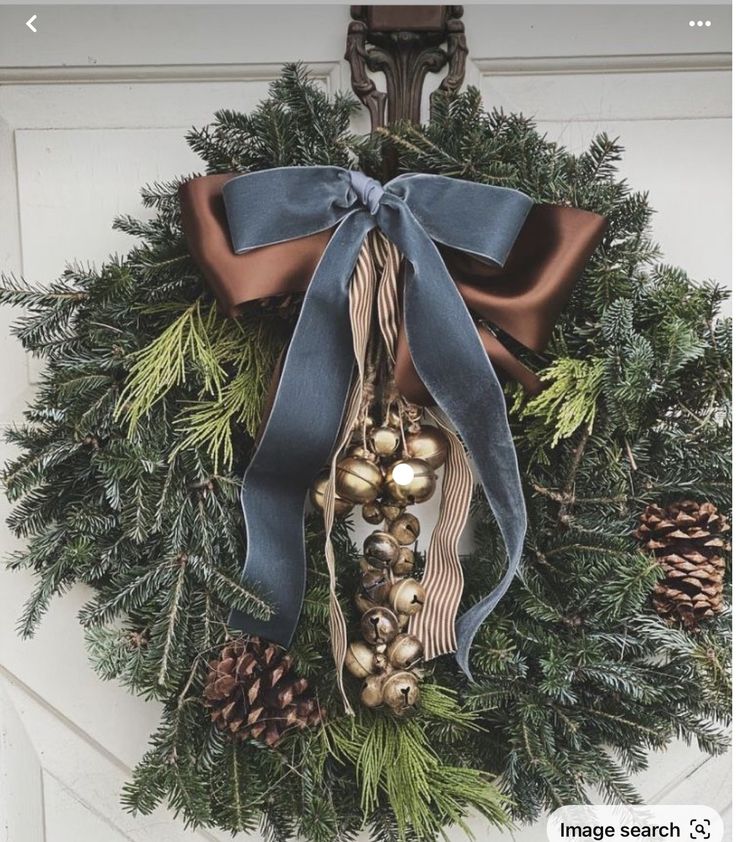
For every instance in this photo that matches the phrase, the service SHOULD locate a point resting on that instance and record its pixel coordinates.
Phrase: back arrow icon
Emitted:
(29, 23)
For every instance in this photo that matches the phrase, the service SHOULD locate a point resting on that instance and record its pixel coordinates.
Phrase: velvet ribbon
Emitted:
(326, 212)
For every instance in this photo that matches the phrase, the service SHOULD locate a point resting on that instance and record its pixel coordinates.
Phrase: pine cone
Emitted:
(687, 540)
(253, 693)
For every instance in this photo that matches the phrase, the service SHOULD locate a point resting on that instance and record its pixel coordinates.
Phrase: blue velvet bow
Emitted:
(414, 212)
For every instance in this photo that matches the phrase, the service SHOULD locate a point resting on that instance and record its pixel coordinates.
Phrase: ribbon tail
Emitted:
(362, 293)
(434, 625)
(299, 437)
(452, 363)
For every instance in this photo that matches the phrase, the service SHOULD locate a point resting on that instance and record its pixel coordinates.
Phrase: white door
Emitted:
(96, 104)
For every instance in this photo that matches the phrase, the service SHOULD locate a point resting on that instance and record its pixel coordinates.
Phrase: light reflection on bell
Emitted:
(410, 481)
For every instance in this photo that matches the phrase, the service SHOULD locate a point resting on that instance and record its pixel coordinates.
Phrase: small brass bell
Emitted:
(365, 565)
(359, 659)
(401, 692)
(317, 496)
(358, 480)
(379, 625)
(376, 585)
(372, 513)
(371, 693)
(409, 481)
(407, 597)
(403, 621)
(385, 440)
(363, 603)
(405, 652)
(404, 564)
(360, 452)
(405, 528)
(364, 422)
(394, 418)
(429, 444)
(381, 549)
(391, 511)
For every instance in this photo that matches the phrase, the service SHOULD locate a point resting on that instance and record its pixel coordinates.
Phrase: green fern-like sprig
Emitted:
(570, 399)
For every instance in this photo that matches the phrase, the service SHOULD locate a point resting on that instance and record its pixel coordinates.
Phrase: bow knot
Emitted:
(368, 190)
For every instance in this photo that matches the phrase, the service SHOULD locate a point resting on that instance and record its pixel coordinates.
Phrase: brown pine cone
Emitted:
(687, 539)
(253, 693)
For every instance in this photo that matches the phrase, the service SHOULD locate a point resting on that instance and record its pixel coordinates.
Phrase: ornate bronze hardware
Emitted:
(405, 44)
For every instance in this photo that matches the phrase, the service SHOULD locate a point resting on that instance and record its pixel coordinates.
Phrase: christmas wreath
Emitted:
(613, 637)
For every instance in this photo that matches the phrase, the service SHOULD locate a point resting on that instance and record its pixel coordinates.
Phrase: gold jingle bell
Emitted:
(429, 444)
(363, 603)
(358, 480)
(408, 413)
(407, 597)
(409, 481)
(381, 549)
(394, 418)
(364, 422)
(391, 511)
(317, 496)
(360, 452)
(405, 652)
(372, 513)
(404, 564)
(405, 528)
(379, 625)
(359, 659)
(385, 440)
(403, 621)
(365, 565)
(375, 585)
(401, 692)
(371, 693)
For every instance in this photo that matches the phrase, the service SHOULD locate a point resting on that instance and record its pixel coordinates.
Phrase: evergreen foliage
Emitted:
(127, 478)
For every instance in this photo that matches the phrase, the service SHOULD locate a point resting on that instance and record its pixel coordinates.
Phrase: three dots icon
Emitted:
(699, 23)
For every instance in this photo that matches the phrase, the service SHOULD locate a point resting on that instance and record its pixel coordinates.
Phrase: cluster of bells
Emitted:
(396, 471)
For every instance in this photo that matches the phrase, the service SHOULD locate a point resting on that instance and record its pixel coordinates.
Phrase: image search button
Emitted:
(622, 823)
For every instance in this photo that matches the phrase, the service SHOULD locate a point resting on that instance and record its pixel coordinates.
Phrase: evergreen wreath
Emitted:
(127, 481)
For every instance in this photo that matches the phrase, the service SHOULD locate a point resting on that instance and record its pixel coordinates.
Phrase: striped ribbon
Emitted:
(434, 625)
(362, 296)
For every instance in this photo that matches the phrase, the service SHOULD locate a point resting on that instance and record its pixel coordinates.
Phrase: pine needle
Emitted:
(394, 761)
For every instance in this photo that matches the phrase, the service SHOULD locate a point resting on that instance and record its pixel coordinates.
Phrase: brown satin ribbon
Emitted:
(524, 298)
